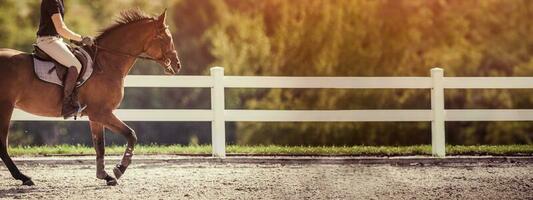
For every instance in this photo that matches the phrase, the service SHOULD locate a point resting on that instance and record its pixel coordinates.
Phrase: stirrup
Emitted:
(77, 113)
(80, 109)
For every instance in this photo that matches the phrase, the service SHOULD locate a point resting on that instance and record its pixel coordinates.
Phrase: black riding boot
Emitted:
(71, 106)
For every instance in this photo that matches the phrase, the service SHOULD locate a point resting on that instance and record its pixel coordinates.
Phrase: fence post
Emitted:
(218, 130)
(438, 147)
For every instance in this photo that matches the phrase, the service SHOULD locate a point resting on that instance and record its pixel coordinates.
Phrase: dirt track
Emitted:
(254, 181)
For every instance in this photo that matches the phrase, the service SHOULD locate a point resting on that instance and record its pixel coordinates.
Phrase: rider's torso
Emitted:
(49, 8)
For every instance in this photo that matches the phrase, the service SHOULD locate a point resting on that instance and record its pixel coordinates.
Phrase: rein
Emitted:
(163, 60)
(124, 53)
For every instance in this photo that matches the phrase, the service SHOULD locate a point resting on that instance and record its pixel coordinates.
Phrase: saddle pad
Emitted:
(46, 72)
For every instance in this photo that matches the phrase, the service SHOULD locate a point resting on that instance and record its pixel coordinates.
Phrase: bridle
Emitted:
(164, 59)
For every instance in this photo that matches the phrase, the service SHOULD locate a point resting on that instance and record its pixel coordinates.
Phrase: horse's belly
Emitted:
(41, 111)
(43, 99)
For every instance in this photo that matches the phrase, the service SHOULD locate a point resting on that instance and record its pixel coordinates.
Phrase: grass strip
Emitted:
(277, 150)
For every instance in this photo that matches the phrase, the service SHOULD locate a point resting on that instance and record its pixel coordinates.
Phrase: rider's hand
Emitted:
(87, 41)
(76, 42)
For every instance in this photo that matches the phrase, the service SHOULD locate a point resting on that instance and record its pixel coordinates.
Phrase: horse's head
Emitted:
(161, 46)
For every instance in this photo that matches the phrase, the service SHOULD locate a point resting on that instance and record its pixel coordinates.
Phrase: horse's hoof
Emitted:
(112, 182)
(118, 173)
(28, 182)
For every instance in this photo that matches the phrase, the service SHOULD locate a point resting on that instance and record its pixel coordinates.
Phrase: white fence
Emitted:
(218, 115)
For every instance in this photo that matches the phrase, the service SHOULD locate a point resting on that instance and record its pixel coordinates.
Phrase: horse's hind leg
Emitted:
(97, 130)
(6, 110)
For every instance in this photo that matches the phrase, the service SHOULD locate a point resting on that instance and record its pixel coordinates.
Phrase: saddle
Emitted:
(44, 66)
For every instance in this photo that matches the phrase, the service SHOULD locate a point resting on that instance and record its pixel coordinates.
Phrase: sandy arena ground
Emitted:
(274, 181)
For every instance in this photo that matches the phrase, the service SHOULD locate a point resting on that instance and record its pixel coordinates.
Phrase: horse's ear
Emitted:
(163, 17)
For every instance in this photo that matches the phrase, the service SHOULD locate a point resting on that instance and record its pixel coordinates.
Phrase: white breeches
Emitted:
(57, 49)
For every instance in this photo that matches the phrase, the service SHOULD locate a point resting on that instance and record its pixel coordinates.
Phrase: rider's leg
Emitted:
(71, 105)
(57, 49)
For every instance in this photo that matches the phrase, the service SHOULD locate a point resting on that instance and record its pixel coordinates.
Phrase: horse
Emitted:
(133, 35)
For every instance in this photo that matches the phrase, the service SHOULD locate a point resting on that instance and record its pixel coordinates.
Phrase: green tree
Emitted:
(375, 38)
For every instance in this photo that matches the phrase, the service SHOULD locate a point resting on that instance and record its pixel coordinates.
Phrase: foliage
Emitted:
(376, 38)
(312, 38)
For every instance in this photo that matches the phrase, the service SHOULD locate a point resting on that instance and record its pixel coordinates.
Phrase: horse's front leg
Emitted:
(111, 122)
(97, 130)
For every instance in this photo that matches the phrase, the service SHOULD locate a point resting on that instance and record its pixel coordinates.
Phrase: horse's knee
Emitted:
(132, 137)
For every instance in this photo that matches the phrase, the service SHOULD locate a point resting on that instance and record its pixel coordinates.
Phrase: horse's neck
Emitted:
(129, 40)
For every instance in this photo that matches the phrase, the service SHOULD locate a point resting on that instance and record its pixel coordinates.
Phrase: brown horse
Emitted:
(115, 52)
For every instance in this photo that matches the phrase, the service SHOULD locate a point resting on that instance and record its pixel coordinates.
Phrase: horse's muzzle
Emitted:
(170, 71)
(171, 67)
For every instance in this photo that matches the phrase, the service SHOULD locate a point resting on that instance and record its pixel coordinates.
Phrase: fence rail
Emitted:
(218, 115)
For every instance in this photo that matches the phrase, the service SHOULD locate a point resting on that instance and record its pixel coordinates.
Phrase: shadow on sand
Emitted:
(16, 191)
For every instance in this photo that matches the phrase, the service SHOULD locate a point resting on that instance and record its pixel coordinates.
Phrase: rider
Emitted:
(51, 29)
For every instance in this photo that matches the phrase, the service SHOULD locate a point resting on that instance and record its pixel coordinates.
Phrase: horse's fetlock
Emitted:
(101, 174)
(22, 177)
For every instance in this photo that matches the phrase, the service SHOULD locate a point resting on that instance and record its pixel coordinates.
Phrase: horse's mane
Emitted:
(125, 17)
